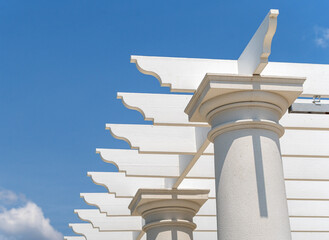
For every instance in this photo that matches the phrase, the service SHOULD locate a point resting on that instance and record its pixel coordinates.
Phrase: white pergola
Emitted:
(234, 119)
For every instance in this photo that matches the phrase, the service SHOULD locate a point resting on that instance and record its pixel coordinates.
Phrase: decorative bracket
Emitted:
(254, 58)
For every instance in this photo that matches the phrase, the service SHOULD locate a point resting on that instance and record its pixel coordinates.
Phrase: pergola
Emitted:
(228, 162)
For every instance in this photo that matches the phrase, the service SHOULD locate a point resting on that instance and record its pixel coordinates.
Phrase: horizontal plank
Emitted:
(309, 224)
(125, 186)
(186, 74)
(204, 223)
(187, 140)
(312, 190)
(162, 109)
(108, 203)
(308, 208)
(310, 235)
(110, 223)
(114, 182)
(74, 238)
(207, 223)
(160, 139)
(182, 74)
(171, 165)
(204, 235)
(115, 206)
(305, 142)
(134, 223)
(306, 168)
(168, 109)
(91, 233)
(134, 163)
(118, 206)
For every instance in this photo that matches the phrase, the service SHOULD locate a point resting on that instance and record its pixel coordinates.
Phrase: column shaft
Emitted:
(250, 190)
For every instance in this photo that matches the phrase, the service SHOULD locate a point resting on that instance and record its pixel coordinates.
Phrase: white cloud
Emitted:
(321, 36)
(8, 197)
(25, 222)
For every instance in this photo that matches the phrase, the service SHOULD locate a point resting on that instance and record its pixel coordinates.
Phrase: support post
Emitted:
(168, 214)
(243, 113)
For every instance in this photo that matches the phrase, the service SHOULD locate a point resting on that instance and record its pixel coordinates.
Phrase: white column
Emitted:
(243, 113)
(168, 214)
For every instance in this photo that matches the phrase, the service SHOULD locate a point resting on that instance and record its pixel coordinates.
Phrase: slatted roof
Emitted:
(175, 153)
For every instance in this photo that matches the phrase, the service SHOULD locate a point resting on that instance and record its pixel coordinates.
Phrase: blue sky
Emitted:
(62, 62)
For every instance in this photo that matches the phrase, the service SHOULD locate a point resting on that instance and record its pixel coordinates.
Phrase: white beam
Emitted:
(186, 74)
(110, 223)
(168, 109)
(74, 238)
(114, 182)
(108, 203)
(254, 58)
(160, 139)
(91, 233)
(162, 109)
(137, 164)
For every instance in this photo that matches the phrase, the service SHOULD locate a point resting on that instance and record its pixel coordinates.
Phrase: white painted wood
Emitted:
(90, 233)
(168, 109)
(305, 143)
(306, 168)
(108, 203)
(170, 165)
(309, 224)
(310, 235)
(203, 168)
(182, 74)
(74, 238)
(137, 164)
(134, 223)
(199, 184)
(208, 208)
(110, 223)
(308, 208)
(205, 223)
(118, 206)
(114, 182)
(187, 140)
(151, 139)
(307, 190)
(186, 74)
(114, 206)
(204, 235)
(124, 186)
(254, 58)
(94, 234)
(316, 76)
(162, 109)
(305, 121)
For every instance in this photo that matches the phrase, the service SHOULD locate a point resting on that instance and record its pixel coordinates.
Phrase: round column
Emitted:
(168, 214)
(250, 189)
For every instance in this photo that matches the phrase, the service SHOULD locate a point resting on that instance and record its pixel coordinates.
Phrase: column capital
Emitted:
(218, 91)
(150, 198)
(165, 211)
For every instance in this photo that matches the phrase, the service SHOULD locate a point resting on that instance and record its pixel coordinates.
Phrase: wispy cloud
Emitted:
(8, 197)
(321, 36)
(24, 222)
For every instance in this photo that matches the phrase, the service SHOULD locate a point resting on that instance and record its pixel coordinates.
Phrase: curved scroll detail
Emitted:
(254, 58)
